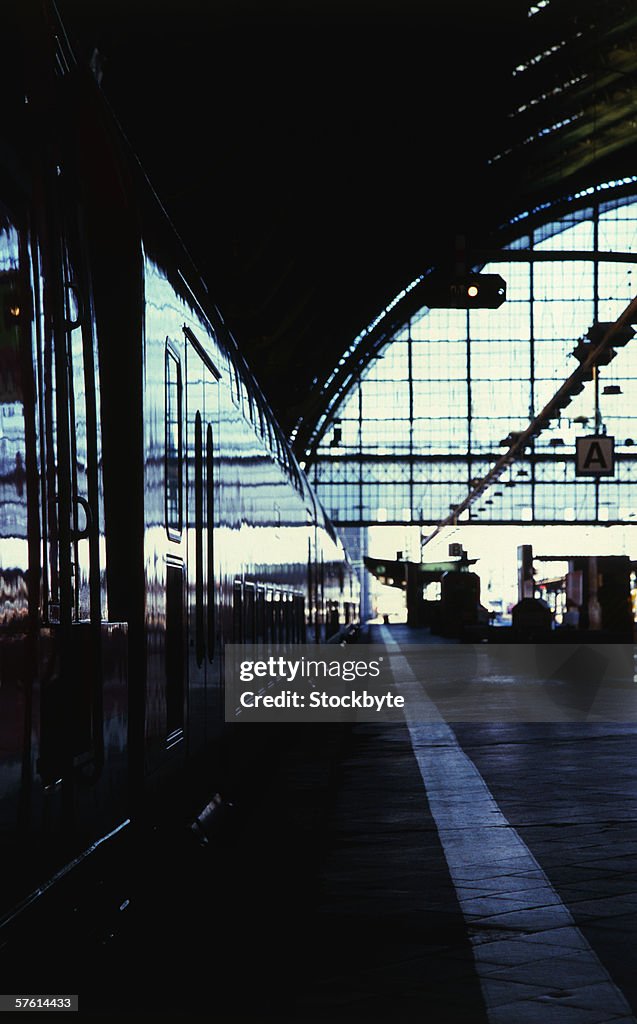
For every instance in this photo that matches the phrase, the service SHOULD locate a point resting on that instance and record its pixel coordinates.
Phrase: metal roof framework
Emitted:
(570, 128)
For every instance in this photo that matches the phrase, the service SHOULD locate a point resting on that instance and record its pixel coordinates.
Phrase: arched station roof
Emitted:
(319, 158)
(476, 415)
(512, 241)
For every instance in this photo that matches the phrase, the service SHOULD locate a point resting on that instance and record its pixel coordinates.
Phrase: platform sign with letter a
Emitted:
(595, 455)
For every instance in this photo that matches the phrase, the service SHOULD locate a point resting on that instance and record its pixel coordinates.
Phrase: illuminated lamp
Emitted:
(473, 291)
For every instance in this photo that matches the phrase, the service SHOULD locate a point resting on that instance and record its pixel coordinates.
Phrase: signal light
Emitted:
(468, 291)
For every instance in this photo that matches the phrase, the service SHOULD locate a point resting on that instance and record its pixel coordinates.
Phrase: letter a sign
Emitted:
(595, 455)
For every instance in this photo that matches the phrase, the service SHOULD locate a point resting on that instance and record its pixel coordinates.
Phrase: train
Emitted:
(151, 509)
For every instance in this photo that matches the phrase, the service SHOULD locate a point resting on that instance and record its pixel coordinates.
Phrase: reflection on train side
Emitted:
(151, 510)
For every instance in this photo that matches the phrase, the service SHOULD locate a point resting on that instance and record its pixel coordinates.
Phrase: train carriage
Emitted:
(151, 510)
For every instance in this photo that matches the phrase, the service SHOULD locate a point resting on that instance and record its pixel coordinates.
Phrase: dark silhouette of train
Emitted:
(151, 510)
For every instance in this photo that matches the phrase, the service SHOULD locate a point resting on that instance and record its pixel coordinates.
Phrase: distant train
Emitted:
(151, 510)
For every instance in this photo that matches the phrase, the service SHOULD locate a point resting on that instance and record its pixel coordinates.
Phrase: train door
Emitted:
(75, 636)
(175, 575)
(73, 596)
(202, 416)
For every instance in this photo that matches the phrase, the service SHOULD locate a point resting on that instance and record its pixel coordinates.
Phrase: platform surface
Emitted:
(449, 872)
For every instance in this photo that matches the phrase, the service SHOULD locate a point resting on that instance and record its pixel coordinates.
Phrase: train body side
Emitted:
(236, 547)
(150, 509)
(63, 657)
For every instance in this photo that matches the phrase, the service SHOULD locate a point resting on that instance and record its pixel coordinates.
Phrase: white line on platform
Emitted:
(534, 964)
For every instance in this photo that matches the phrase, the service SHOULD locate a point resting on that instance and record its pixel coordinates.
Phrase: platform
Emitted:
(481, 873)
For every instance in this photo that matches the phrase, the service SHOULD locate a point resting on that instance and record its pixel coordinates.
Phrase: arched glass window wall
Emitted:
(428, 415)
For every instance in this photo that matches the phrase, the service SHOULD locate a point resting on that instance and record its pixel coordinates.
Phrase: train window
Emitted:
(78, 443)
(174, 509)
(199, 612)
(175, 650)
(71, 467)
(210, 523)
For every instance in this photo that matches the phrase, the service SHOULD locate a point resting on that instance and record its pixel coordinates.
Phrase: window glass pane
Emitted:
(173, 443)
(455, 383)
